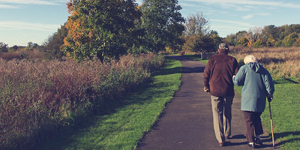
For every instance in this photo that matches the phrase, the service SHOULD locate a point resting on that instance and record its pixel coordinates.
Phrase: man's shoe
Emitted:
(227, 137)
(252, 145)
(221, 144)
(259, 142)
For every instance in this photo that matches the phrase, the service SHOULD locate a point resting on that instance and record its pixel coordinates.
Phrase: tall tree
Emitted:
(3, 47)
(52, 45)
(162, 23)
(104, 28)
(196, 25)
(198, 36)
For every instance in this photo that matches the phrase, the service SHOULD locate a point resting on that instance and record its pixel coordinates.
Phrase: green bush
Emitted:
(242, 42)
(258, 43)
(278, 43)
(289, 40)
(297, 42)
(3, 47)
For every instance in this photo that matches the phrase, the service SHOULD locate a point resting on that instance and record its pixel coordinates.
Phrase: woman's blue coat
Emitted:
(257, 84)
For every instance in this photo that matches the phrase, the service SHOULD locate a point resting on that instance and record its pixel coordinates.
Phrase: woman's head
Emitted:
(250, 58)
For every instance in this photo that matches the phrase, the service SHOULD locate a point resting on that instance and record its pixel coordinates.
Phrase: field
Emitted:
(282, 62)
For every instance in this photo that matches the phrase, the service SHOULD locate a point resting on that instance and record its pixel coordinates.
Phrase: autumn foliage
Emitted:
(102, 28)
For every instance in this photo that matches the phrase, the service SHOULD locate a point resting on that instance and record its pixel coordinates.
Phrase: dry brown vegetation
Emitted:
(282, 62)
(23, 53)
(38, 96)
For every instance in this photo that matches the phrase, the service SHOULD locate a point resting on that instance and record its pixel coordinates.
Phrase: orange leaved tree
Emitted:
(104, 28)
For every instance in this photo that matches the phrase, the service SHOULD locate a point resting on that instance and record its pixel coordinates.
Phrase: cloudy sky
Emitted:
(24, 21)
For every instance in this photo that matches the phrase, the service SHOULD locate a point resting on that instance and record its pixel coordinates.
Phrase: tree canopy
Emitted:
(100, 27)
(162, 23)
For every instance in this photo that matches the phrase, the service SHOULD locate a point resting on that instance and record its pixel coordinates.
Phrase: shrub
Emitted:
(38, 98)
(242, 42)
(271, 41)
(3, 47)
(278, 43)
(10, 56)
(297, 42)
(258, 43)
(289, 40)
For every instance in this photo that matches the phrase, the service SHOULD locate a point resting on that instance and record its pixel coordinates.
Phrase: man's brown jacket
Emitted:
(218, 74)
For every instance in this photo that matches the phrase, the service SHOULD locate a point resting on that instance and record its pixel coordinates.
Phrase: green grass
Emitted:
(195, 57)
(124, 126)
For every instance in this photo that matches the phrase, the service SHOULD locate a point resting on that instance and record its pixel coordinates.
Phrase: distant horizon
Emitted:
(40, 19)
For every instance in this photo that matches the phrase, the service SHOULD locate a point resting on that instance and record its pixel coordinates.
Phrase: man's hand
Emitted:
(206, 89)
(270, 97)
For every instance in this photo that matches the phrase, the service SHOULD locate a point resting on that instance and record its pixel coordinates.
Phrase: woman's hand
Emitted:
(270, 97)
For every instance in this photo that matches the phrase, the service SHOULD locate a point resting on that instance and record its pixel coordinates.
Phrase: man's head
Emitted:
(223, 48)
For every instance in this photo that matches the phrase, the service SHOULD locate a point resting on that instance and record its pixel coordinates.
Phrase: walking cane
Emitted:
(269, 99)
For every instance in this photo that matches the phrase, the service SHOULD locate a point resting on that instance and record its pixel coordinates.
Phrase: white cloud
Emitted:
(7, 6)
(248, 16)
(36, 2)
(257, 14)
(248, 2)
(264, 14)
(226, 28)
(235, 23)
(17, 25)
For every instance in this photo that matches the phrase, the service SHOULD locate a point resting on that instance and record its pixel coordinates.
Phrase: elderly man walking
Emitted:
(218, 75)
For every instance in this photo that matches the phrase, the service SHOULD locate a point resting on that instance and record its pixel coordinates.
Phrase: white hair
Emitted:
(250, 58)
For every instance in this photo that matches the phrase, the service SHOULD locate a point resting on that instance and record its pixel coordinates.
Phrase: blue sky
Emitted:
(24, 21)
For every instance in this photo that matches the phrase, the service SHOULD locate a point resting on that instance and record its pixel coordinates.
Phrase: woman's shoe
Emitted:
(258, 141)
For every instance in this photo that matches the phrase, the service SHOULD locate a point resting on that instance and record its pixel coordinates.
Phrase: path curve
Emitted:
(187, 124)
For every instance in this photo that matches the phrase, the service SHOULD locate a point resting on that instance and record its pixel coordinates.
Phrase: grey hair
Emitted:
(250, 58)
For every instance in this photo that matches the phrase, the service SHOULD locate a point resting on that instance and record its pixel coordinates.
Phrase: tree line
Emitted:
(268, 36)
(110, 29)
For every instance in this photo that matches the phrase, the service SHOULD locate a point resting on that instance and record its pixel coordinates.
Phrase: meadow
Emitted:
(41, 98)
(282, 62)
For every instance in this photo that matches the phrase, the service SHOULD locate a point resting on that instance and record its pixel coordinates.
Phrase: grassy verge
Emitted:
(195, 57)
(124, 125)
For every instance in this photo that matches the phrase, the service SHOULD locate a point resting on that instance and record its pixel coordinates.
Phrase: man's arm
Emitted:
(236, 67)
(206, 77)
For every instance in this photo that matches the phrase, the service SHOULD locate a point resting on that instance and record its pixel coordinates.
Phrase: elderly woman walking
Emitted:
(257, 85)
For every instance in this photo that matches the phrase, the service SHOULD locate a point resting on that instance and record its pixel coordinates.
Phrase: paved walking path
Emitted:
(186, 123)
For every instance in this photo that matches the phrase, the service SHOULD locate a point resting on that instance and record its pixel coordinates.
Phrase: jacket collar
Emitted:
(223, 52)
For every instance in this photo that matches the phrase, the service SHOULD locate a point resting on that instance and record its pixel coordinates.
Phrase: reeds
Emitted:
(37, 97)
(282, 62)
